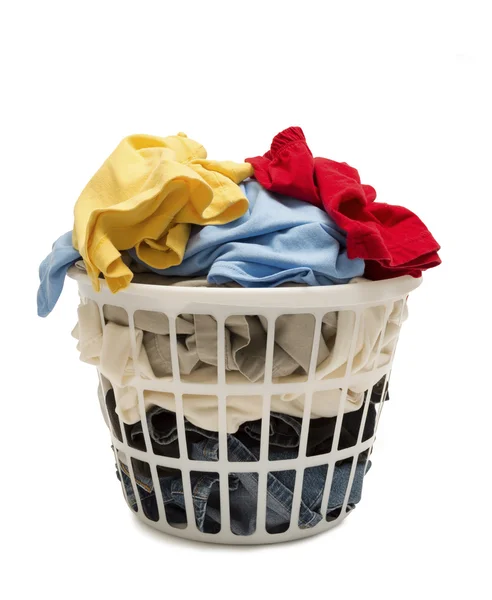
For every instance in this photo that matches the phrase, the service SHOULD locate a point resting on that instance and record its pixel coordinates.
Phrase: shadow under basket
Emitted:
(250, 416)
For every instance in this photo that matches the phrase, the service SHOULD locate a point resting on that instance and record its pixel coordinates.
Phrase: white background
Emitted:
(399, 90)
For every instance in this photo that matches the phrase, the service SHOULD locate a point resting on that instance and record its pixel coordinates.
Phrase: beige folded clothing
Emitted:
(110, 348)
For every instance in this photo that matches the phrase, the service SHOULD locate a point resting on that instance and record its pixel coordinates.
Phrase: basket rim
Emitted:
(333, 295)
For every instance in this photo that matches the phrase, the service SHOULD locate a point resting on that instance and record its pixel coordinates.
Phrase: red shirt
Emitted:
(391, 239)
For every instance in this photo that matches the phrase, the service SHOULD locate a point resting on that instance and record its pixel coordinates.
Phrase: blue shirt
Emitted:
(278, 240)
(52, 272)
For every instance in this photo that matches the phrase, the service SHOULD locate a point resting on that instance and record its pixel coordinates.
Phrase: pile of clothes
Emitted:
(160, 212)
(108, 345)
(281, 217)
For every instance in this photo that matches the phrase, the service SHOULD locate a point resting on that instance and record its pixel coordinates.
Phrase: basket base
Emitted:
(228, 538)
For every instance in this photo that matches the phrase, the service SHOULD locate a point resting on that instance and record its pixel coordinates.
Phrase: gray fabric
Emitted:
(245, 341)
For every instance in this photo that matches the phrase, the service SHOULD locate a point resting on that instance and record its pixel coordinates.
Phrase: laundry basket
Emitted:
(224, 496)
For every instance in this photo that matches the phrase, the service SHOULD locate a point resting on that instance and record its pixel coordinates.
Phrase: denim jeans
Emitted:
(242, 447)
(243, 496)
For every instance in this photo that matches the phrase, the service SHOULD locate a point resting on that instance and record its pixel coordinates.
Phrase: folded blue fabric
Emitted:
(52, 272)
(278, 240)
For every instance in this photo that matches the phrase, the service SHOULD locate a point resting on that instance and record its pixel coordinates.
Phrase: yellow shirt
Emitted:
(146, 196)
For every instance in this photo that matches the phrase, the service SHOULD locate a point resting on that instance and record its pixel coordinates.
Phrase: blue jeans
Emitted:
(203, 445)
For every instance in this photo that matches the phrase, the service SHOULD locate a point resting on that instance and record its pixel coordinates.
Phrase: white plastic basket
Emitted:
(221, 303)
